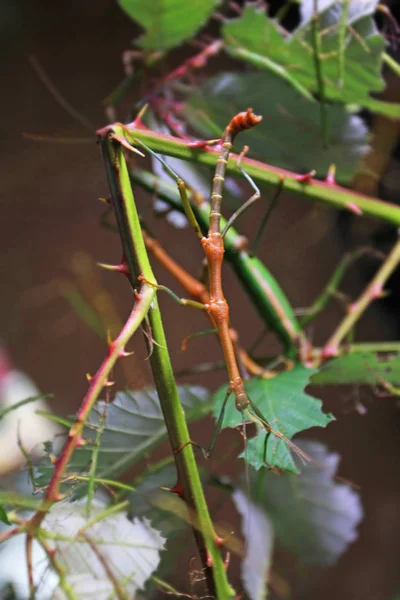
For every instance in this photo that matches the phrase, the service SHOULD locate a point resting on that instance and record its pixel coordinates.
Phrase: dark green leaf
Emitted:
(168, 23)
(367, 368)
(284, 405)
(3, 516)
(312, 515)
(289, 135)
(257, 39)
(133, 426)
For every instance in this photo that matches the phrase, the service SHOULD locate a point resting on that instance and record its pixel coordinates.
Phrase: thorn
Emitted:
(124, 142)
(219, 541)
(123, 354)
(352, 307)
(108, 383)
(53, 459)
(89, 377)
(177, 489)
(227, 560)
(203, 143)
(330, 178)
(80, 441)
(137, 295)
(354, 208)
(209, 561)
(307, 177)
(57, 497)
(121, 268)
(110, 341)
(138, 121)
(106, 200)
(377, 291)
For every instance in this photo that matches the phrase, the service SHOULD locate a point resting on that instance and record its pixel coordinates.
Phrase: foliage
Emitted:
(170, 23)
(87, 530)
(285, 115)
(124, 432)
(286, 407)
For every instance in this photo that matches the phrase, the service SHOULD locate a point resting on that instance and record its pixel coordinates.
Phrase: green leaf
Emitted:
(312, 515)
(168, 23)
(3, 516)
(259, 537)
(368, 368)
(259, 40)
(133, 426)
(289, 136)
(287, 408)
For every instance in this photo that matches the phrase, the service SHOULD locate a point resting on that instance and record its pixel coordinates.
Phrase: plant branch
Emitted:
(374, 290)
(325, 192)
(100, 379)
(189, 483)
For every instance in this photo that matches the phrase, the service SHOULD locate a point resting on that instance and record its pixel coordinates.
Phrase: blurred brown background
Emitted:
(50, 238)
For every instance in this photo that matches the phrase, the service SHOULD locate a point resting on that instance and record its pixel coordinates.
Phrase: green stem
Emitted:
(319, 191)
(188, 474)
(373, 291)
(263, 289)
(319, 74)
(342, 40)
(332, 285)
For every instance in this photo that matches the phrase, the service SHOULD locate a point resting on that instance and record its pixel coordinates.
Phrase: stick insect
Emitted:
(217, 307)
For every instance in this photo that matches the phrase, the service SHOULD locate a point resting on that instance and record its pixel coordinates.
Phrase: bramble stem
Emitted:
(319, 191)
(187, 472)
(374, 290)
(98, 382)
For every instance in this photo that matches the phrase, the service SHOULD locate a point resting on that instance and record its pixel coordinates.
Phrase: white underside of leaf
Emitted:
(131, 550)
(258, 532)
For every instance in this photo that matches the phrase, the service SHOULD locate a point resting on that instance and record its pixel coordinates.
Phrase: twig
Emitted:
(116, 350)
(188, 484)
(320, 191)
(374, 290)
